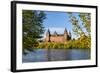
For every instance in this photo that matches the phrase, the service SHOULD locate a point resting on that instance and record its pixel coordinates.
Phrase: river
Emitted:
(43, 55)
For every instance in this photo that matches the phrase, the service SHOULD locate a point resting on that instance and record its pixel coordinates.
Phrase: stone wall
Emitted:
(57, 39)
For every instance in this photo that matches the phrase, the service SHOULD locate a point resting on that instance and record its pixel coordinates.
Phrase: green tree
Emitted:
(84, 40)
(85, 18)
(32, 27)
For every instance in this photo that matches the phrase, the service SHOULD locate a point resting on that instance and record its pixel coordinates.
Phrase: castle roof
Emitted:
(69, 33)
(48, 32)
(65, 31)
(55, 33)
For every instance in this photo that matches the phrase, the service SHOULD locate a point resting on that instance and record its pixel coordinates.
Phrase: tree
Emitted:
(82, 28)
(32, 27)
(86, 18)
(78, 29)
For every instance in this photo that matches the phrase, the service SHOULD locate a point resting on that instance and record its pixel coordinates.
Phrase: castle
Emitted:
(58, 37)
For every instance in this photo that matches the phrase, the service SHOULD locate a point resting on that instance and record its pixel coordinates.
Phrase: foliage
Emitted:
(82, 43)
(86, 18)
(32, 27)
(78, 28)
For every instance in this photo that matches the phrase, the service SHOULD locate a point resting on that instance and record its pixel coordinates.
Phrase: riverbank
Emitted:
(69, 45)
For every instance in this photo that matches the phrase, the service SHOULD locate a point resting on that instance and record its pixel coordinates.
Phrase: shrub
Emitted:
(82, 43)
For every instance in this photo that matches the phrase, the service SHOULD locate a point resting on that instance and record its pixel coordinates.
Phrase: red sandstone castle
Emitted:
(58, 37)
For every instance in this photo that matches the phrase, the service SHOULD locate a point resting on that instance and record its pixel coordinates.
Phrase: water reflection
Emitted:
(42, 55)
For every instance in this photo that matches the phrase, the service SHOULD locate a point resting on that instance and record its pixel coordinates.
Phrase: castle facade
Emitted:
(58, 37)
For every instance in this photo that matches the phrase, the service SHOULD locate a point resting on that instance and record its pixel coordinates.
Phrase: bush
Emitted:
(82, 43)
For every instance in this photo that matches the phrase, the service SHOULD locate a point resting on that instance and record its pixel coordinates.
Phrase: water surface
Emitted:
(42, 55)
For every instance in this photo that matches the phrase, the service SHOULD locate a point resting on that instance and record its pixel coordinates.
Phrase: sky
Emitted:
(58, 21)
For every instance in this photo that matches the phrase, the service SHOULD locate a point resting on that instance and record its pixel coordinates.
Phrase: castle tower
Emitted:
(55, 33)
(65, 34)
(69, 35)
(48, 36)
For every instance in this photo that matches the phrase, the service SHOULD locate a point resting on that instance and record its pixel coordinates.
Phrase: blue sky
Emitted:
(58, 21)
